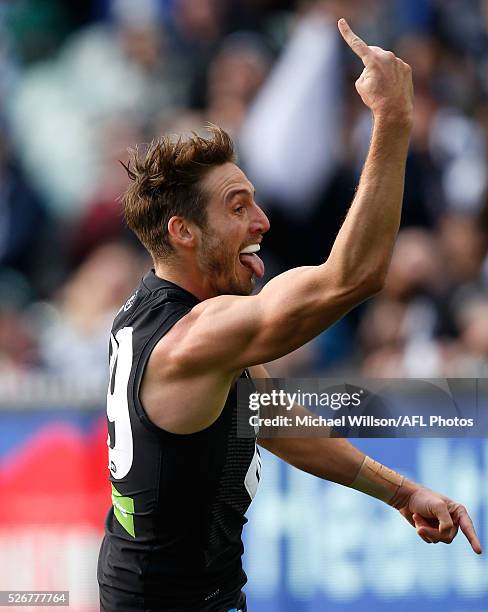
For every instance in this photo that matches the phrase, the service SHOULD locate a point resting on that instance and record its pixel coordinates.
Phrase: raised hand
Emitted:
(385, 85)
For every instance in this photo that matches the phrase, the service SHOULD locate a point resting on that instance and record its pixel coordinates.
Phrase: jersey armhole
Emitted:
(141, 364)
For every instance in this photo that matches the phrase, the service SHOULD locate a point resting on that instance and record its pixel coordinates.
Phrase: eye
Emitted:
(238, 209)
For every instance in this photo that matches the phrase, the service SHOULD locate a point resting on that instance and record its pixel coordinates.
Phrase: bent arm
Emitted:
(294, 307)
(229, 333)
(435, 517)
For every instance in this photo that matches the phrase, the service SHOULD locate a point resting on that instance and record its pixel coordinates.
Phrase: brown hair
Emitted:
(166, 181)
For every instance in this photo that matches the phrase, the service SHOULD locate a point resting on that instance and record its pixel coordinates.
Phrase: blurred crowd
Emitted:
(82, 81)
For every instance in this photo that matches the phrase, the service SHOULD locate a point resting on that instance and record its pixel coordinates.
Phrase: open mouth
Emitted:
(251, 260)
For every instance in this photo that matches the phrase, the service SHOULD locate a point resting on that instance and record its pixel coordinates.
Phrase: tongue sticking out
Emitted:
(253, 263)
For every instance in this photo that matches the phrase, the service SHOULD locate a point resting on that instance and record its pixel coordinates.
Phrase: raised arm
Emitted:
(232, 332)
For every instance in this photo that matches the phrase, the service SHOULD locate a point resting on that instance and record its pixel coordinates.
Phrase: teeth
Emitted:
(252, 248)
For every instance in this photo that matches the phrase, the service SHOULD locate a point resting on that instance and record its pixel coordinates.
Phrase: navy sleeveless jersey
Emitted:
(173, 534)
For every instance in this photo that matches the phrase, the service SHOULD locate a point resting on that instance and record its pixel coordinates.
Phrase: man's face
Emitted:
(234, 223)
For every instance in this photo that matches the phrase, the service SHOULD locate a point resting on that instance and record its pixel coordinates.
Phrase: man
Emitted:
(181, 477)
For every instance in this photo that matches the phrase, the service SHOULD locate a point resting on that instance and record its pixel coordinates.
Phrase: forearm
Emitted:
(334, 459)
(337, 460)
(363, 246)
(322, 455)
(435, 517)
(357, 265)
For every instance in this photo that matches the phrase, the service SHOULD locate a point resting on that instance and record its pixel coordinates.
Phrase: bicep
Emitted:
(215, 333)
(234, 332)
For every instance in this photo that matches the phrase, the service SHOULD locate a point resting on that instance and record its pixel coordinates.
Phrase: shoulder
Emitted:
(209, 334)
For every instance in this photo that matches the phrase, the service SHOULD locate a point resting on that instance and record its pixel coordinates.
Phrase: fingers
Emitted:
(424, 530)
(424, 538)
(358, 45)
(434, 534)
(422, 535)
(441, 513)
(467, 527)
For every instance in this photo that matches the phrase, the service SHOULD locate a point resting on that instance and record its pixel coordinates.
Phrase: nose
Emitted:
(260, 223)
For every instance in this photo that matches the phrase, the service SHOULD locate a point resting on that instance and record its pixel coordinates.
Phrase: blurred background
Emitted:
(82, 81)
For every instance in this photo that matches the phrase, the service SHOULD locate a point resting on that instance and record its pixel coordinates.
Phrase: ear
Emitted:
(182, 232)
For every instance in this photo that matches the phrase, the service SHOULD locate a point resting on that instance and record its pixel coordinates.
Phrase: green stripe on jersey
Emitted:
(124, 511)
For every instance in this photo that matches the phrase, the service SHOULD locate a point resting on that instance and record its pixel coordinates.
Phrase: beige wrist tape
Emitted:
(377, 480)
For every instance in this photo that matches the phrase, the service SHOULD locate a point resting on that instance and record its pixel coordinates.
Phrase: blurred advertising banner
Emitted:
(54, 496)
(309, 545)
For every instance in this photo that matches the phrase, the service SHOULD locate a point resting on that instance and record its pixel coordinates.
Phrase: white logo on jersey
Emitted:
(130, 301)
(253, 474)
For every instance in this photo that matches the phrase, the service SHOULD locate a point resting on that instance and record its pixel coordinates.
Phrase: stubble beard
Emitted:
(217, 263)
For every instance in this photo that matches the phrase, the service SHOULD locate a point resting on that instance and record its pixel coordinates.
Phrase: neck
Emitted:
(191, 280)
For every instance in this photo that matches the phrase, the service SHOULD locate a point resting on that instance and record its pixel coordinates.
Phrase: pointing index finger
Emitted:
(357, 44)
(467, 528)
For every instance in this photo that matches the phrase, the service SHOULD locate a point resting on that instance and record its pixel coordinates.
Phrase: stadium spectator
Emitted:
(72, 100)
